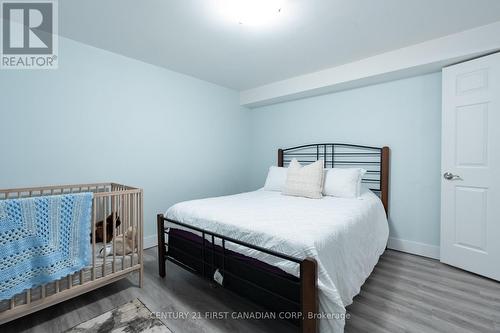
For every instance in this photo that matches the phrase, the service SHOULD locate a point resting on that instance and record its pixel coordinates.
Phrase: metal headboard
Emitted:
(339, 155)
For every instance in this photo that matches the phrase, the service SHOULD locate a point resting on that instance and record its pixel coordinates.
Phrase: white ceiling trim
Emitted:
(418, 59)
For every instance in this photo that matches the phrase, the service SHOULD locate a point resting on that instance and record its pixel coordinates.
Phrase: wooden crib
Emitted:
(112, 199)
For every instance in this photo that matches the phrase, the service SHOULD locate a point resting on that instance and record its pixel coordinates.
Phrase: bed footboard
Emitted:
(161, 245)
(261, 283)
(309, 294)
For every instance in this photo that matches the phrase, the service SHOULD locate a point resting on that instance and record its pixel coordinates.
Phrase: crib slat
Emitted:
(113, 209)
(132, 217)
(124, 227)
(94, 204)
(104, 227)
(141, 240)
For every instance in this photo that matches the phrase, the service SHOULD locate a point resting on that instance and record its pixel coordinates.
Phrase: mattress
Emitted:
(345, 236)
(36, 293)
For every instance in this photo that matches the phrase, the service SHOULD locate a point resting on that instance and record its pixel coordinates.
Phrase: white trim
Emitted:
(150, 241)
(421, 249)
(423, 58)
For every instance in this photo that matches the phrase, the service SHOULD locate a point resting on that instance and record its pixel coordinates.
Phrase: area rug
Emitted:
(132, 317)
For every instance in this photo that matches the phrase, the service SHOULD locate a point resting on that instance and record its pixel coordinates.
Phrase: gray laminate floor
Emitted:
(405, 293)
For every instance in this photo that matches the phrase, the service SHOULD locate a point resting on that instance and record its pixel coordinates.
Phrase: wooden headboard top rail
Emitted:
(339, 155)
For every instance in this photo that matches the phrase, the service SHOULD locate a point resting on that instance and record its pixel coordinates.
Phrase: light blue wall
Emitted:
(105, 117)
(404, 115)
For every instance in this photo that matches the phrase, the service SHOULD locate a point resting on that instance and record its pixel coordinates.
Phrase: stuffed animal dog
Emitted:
(123, 244)
(99, 229)
(129, 238)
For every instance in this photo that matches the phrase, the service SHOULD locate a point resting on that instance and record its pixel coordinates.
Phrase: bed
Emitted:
(304, 258)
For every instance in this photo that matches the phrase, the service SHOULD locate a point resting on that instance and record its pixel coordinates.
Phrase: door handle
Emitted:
(450, 176)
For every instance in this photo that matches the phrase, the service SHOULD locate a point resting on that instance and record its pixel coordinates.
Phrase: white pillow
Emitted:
(343, 182)
(276, 178)
(304, 181)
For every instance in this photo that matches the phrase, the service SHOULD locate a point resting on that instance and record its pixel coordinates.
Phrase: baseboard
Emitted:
(421, 249)
(150, 241)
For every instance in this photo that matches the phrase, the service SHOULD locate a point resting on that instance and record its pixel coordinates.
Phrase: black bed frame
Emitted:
(263, 284)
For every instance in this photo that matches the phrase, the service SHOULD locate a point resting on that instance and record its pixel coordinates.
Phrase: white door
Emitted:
(470, 166)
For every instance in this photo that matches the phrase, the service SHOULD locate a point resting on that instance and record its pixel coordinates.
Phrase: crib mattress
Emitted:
(120, 263)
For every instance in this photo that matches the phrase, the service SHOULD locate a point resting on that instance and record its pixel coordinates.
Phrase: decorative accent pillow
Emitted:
(343, 182)
(276, 179)
(304, 181)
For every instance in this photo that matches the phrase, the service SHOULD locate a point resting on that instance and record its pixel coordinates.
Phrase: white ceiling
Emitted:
(189, 36)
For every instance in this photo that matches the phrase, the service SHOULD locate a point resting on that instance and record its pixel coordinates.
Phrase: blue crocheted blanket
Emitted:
(43, 239)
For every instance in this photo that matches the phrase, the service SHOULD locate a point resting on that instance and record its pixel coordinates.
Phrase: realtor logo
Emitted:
(29, 34)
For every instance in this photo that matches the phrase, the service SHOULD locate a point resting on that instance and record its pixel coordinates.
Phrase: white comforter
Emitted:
(345, 236)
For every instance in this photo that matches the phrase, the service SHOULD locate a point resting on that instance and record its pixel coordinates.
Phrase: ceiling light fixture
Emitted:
(251, 12)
